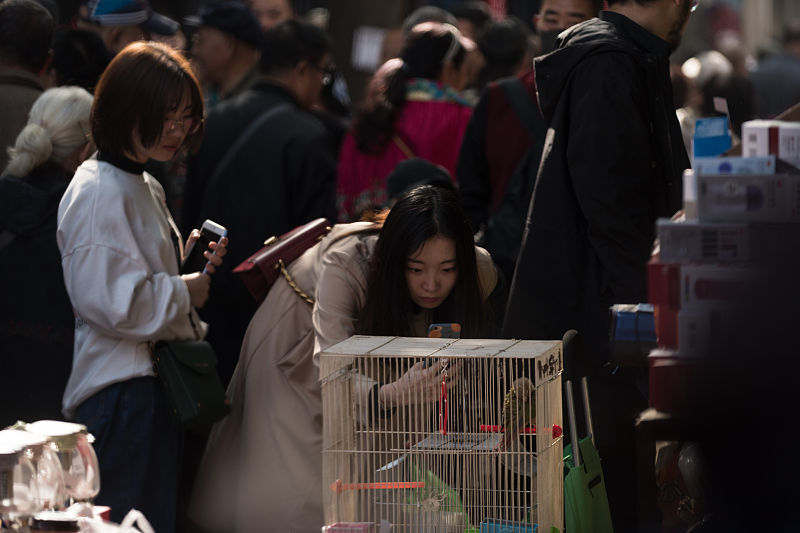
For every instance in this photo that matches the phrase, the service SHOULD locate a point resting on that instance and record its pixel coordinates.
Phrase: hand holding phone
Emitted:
(195, 260)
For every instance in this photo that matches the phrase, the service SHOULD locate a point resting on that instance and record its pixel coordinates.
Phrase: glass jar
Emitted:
(18, 490)
(39, 449)
(75, 453)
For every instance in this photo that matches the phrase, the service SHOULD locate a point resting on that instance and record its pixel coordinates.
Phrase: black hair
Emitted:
(26, 32)
(423, 56)
(140, 86)
(474, 11)
(739, 94)
(503, 44)
(79, 58)
(289, 43)
(423, 212)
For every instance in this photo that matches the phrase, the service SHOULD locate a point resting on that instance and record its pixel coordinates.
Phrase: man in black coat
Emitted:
(611, 165)
(282, 176)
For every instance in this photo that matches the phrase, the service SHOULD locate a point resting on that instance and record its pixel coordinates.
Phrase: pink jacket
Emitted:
(432, 130)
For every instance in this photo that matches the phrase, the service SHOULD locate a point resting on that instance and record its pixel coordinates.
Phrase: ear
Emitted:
(535, 19)
(302, 67)
(116, 38)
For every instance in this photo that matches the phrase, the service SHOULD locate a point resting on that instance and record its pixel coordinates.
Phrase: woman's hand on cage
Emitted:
(421, 384)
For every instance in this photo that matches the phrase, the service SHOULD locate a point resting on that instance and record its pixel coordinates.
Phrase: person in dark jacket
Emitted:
(611, 165)
(36, 319)
(26, 32)
(503, 144)
(282, 176)
(496, 138)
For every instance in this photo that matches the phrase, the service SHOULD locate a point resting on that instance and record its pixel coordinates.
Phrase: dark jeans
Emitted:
(138, 448)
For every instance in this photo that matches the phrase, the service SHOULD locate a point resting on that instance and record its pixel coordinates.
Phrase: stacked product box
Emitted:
(736, 210)
(772, 137)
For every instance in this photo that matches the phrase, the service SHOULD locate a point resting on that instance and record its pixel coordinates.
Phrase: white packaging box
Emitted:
(713, 286)
(757, 198)
(735, 165)
(772, 137)
(701, 333)
(682, 242)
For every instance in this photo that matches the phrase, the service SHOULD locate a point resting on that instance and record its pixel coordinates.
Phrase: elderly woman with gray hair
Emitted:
(36, 319)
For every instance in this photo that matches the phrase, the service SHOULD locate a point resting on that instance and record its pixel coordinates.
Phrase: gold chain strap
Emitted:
(292, 283)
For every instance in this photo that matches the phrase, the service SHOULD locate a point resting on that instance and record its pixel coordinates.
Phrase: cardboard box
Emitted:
(756, 198)
(772, 137)
(633, 333)
(666, 323)
(696, 286)
(735, 165)
(711, 137)
(686, 241)
(701, 333)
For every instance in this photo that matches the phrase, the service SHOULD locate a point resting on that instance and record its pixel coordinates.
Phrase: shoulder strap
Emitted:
(401, 144)
(520, 100)
(245, 135)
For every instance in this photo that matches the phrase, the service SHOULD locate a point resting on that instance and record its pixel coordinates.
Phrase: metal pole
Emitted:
(587, 410)
(573, 427)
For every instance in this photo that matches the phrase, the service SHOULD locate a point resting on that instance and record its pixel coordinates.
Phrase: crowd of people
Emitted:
(505, 175)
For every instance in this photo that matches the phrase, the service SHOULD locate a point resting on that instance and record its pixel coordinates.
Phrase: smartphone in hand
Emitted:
(195, 260)
(445, 331)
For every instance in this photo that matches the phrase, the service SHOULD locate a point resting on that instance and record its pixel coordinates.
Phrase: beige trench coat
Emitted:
(262, 468)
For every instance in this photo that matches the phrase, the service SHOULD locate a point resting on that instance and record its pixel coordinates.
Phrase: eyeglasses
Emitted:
(694, 5)
(188, 125)
(328, 72)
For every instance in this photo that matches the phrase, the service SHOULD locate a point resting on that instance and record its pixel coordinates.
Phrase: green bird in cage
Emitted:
(519, 411)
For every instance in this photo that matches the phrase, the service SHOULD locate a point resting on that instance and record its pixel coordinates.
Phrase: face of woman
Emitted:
(432, 271)
(178, 123)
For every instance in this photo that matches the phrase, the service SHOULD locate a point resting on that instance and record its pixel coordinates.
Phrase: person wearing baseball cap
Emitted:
(226, 47)
(120, 22)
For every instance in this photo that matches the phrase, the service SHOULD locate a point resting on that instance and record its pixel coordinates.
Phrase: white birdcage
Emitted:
(459, 452)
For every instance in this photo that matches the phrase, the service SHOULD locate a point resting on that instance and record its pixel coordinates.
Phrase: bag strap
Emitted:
(401, 144)
(293, 284)
(518, 96)
(290, 280)
(244, 137)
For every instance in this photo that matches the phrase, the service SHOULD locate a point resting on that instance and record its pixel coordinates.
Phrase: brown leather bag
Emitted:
(260, 270)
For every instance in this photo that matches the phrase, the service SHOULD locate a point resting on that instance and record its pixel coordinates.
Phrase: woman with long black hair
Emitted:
(262, 467)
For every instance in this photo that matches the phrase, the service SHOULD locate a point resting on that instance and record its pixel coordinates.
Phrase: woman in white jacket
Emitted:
(120, 253)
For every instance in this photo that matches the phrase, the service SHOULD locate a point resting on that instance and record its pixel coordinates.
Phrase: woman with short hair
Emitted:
(120, 254)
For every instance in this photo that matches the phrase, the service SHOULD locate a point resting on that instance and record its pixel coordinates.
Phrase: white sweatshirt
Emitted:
(121, 273)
